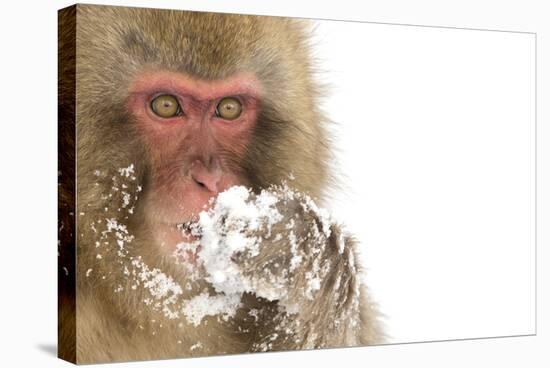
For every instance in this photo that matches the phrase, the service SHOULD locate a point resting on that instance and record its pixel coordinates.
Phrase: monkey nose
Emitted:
(207, 178)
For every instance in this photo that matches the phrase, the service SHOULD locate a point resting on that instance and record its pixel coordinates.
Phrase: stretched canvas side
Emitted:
(66, 274)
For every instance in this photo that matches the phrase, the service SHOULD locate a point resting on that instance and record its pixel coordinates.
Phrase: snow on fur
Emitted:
(238, 221)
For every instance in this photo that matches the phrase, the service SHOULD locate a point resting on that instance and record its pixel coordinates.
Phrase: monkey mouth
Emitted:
(185, 226)
(167, 235)
(190, 227)
(188, 250)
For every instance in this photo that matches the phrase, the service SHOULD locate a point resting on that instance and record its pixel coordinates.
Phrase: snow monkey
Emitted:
(163, 112)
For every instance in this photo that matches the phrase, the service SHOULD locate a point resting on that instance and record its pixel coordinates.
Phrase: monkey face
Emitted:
(196, 133)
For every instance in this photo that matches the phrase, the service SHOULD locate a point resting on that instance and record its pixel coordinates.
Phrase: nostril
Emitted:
(205, 177)
(200, 184)
(206, 181)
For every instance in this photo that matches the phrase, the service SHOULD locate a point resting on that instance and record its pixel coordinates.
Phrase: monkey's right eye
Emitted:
(166, 106)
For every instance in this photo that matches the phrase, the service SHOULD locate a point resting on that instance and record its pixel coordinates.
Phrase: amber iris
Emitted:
(165, 106)
(229, 108)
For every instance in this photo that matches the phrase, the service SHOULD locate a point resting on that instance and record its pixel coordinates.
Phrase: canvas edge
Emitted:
(66, 275)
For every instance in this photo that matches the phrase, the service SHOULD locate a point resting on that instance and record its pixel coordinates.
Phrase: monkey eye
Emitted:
(166, 106)
(229, 108)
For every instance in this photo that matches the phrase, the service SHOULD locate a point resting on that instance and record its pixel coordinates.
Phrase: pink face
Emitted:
(195, 152)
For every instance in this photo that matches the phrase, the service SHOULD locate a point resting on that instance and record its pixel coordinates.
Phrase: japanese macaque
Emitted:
(166, 111)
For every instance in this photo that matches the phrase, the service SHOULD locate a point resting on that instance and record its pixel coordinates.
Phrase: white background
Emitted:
(28, 185)
(435, 134)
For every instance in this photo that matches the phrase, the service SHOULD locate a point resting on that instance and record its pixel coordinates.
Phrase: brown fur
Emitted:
(115, 44)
